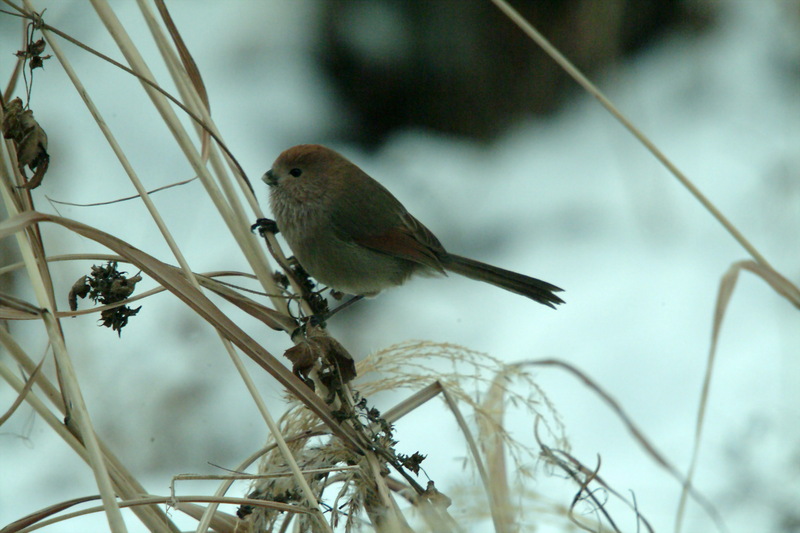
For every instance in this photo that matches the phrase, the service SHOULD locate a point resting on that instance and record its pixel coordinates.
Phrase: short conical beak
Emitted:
(269, 178)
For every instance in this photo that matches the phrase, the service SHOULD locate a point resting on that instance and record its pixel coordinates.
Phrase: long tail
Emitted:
(532, 288)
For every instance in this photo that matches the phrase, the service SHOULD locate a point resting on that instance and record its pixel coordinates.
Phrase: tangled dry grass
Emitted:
(331, 463)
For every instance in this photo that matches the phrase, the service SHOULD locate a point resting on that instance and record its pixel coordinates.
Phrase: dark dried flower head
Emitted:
(107, 285)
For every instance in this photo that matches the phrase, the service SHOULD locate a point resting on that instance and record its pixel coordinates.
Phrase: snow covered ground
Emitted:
(573, 200)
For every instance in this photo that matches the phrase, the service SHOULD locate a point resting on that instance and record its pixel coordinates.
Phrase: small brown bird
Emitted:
(351, 234)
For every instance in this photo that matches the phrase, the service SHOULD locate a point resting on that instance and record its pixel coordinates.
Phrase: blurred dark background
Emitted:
(463, 68)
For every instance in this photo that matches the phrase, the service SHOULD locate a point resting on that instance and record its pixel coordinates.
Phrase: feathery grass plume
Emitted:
(467, 376)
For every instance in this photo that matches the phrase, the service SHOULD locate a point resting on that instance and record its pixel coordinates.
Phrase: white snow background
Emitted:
(573, 200)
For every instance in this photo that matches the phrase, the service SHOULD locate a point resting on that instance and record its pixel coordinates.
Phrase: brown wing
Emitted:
(369, 215)
(400, 242)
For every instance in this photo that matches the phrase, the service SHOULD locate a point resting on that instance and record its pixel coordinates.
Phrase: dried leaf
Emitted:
(303, 356)
(30, 139)
(336, 354)
(324, 351)
(80, 289)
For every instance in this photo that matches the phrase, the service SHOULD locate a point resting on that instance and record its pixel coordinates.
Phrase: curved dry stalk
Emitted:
(726, 287)
(473, 448)
(126, 485)
(34, 521)
(65, 257)
(592, 89)
(177, 284)
(493, 446)
(24, 392)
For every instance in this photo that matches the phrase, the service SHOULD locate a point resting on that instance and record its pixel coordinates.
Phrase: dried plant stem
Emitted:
(78, 416)
(116, 148)
(117, 31)
(197, 104)
(637, 434)
(490, 425)
(311, 499)
(166, 500)
(65, 257)
(592, 89)
(152, 517)
(33, 257)
(727, 285)
(116, 522)
(452, 403)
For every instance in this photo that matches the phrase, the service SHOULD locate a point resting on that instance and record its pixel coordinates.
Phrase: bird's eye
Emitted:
(296, 172)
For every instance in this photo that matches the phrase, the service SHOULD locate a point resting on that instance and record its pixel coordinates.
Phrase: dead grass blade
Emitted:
(274, 319)
(189, 66)
(476, 455)
(21, 396)
(12, 308)
(177, 284)
(186, 57)
(726, 287)
(41, 514)
(489, 419)
(34, 521)
(64, 257)
(779, 284)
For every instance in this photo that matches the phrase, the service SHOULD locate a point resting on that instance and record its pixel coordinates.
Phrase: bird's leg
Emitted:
(319, 319)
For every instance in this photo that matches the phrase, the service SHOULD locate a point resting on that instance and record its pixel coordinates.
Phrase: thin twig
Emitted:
(125, 199)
